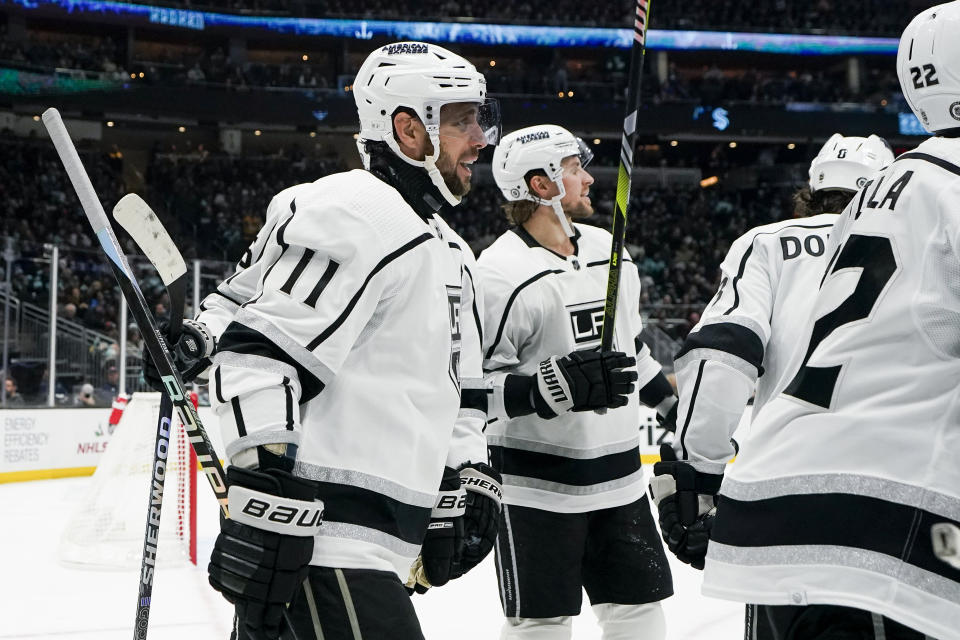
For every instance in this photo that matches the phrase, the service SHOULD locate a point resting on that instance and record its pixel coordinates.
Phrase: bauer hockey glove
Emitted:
(263, 552)
(481, 519)
(191, 354)
(443, 544)
(686, 502)
(583, 381)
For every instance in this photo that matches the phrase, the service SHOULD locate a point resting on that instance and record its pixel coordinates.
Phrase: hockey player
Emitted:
(575, 512)
(746, 333)
(347, 373)
(833, 517)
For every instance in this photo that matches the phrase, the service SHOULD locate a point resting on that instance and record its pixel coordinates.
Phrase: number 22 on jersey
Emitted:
(876, 260)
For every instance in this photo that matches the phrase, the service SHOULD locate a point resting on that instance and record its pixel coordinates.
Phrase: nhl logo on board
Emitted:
(860, 182)
(955, 110)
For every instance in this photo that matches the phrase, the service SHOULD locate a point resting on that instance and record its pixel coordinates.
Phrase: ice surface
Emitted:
(40, 599)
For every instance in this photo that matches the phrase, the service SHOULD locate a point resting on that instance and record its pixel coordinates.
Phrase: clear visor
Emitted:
(586, 155)
(472, 119)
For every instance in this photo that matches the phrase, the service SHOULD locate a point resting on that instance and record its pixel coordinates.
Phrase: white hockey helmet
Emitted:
(845, 163)
(543, 148)
(422, 77)
(927, 66)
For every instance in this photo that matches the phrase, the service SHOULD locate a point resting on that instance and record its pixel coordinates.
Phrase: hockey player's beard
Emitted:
(579, 211)
(448, 169)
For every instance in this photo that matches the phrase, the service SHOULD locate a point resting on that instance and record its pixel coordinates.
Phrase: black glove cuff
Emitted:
(517, 392)
(655, 391)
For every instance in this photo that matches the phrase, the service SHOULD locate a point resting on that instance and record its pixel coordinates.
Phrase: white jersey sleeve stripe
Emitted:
(690, 409)
(301, 355)
(476, 311)
(390, 257)
(509, 304)
(732, 338)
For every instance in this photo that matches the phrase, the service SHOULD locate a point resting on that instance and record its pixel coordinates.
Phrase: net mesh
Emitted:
(107, 528)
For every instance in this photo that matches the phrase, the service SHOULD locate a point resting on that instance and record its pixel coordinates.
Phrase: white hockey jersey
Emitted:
(746, 334)
(833, 496)
(540, 304)
(354, 335)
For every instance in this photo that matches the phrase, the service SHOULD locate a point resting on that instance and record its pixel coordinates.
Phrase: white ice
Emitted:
(40, 599)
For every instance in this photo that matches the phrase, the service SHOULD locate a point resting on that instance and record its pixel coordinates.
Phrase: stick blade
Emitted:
(139, 220)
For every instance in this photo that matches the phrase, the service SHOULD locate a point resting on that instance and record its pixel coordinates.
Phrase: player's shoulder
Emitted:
(354, 206)
(772, 234)
(455, 241)
(507, 262)
(593, 236)
(934, 166)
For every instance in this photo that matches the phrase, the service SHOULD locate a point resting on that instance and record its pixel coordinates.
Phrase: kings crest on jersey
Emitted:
(354, 326)
(540, 304)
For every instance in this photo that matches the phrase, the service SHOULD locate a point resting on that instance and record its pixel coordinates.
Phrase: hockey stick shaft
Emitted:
(151, 536)
(624, 174)
(152, 339)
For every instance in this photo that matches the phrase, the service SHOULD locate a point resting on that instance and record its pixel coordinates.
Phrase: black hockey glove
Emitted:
(481, 520)
(263, 552)
(686, 501)
(669, 421)
(191, 355)
(583, 381)
(442, 547)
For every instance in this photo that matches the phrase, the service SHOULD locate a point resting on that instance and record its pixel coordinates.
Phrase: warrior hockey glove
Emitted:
(481, 520)
(191, 355)
(583, 381)
(263, 552)
(442, 546)
(686, 501)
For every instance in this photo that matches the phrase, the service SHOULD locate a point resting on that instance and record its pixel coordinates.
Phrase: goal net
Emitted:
(107, 529)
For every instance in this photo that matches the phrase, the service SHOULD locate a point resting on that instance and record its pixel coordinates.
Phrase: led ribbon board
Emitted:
(482, 34)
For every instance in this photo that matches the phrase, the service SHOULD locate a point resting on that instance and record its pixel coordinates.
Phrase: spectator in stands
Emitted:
(110, 386)
(14, 399)
(86, 397)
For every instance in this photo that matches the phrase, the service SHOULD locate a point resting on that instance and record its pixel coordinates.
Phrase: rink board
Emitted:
(45, 443)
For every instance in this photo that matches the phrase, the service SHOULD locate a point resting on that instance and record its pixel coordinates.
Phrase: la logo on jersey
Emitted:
(453, 300)
(586, 321)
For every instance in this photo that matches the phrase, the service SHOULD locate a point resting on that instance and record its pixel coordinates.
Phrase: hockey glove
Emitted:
(669, 421)
(263, 552)
(191, 355)
(686, 501)
(583, 381)
(481, 520)
(441, 550)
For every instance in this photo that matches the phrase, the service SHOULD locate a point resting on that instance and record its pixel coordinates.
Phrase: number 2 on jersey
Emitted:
(874, 254)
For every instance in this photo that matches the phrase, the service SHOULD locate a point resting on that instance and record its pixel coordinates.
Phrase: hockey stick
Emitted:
(174, 391)
(139, 221)
(627, 144)
(152, 338)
